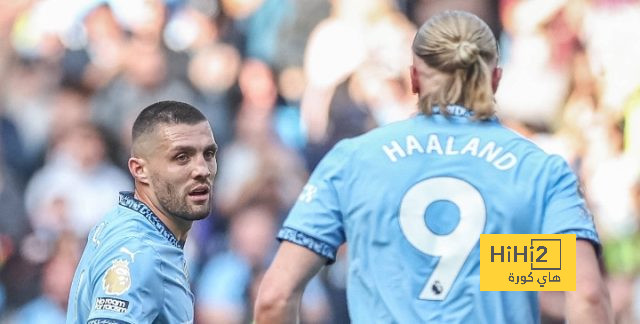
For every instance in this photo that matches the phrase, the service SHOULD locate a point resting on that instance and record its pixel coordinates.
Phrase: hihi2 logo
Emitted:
(527, 262)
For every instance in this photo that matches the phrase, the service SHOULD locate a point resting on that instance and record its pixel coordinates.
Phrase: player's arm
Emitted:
(284, 282)
(566, 213)
(589, 303)
(310, 237)
(129, 287)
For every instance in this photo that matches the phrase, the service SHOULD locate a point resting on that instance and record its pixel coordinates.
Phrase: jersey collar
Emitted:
(457, 111)
(127, 200)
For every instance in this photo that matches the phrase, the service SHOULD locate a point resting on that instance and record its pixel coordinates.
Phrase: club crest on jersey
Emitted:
(117, 280)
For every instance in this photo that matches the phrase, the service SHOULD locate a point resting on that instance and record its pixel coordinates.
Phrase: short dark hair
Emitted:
(165, 112)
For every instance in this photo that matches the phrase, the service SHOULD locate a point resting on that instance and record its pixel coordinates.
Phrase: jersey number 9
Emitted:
(453, 248)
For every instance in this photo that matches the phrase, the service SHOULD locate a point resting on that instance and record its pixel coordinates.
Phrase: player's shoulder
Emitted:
(121, 265)
(547, 164)
(121, 225)
(377, 135)
(123, 234)
(124, 269)
(124, 244)
(515, 140)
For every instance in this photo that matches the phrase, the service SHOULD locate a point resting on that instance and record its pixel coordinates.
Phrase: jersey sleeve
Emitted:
(315, 221)
(565, 209)
(127, 286)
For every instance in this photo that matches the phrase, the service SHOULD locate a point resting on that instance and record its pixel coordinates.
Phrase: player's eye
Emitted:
(182, 157)
(209, 154)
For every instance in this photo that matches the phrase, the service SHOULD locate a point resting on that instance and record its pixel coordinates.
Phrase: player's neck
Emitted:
(179, 227)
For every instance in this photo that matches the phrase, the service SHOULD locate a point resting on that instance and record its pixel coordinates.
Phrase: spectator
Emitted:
(77, 185)
(228, 283)
(51, 306)
(257, 167)
(142, 82)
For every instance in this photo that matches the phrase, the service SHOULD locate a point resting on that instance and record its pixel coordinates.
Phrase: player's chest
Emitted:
(178, 308)
(179, 300)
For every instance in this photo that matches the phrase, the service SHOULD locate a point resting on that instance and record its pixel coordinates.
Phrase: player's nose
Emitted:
(201, 168)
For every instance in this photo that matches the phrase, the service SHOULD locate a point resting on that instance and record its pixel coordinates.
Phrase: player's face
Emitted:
(183, 169)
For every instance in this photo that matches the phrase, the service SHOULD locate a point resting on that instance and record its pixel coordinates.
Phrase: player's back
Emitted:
(132, 270)
(414, 198)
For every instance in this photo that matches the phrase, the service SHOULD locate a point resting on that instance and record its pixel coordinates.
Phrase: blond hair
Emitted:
(461, 46)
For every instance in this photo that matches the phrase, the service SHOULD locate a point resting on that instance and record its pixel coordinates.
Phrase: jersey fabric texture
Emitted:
(132, 270)
(410, 196)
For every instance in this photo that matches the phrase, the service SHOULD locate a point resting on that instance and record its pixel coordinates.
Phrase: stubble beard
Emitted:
(176, 204)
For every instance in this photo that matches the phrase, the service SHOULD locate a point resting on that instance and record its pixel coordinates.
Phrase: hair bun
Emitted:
(466, 53)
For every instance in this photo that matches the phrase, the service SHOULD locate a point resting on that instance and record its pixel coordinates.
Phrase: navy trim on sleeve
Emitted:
(106, 321)
(320, 247)
(583, 234)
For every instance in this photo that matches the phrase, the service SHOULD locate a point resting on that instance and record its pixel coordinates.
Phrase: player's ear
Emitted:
(138, 169)
(496, 75)
(415, 83)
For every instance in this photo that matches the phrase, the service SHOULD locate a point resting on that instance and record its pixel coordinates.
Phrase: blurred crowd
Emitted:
(282, 81)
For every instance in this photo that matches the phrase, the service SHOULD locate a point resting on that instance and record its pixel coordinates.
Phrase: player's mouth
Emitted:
(200, 193)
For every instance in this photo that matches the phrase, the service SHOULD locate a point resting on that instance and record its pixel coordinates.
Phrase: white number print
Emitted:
(453, 248)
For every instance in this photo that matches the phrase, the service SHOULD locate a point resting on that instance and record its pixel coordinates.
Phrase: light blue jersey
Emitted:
(412, 198)
(132, 270)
